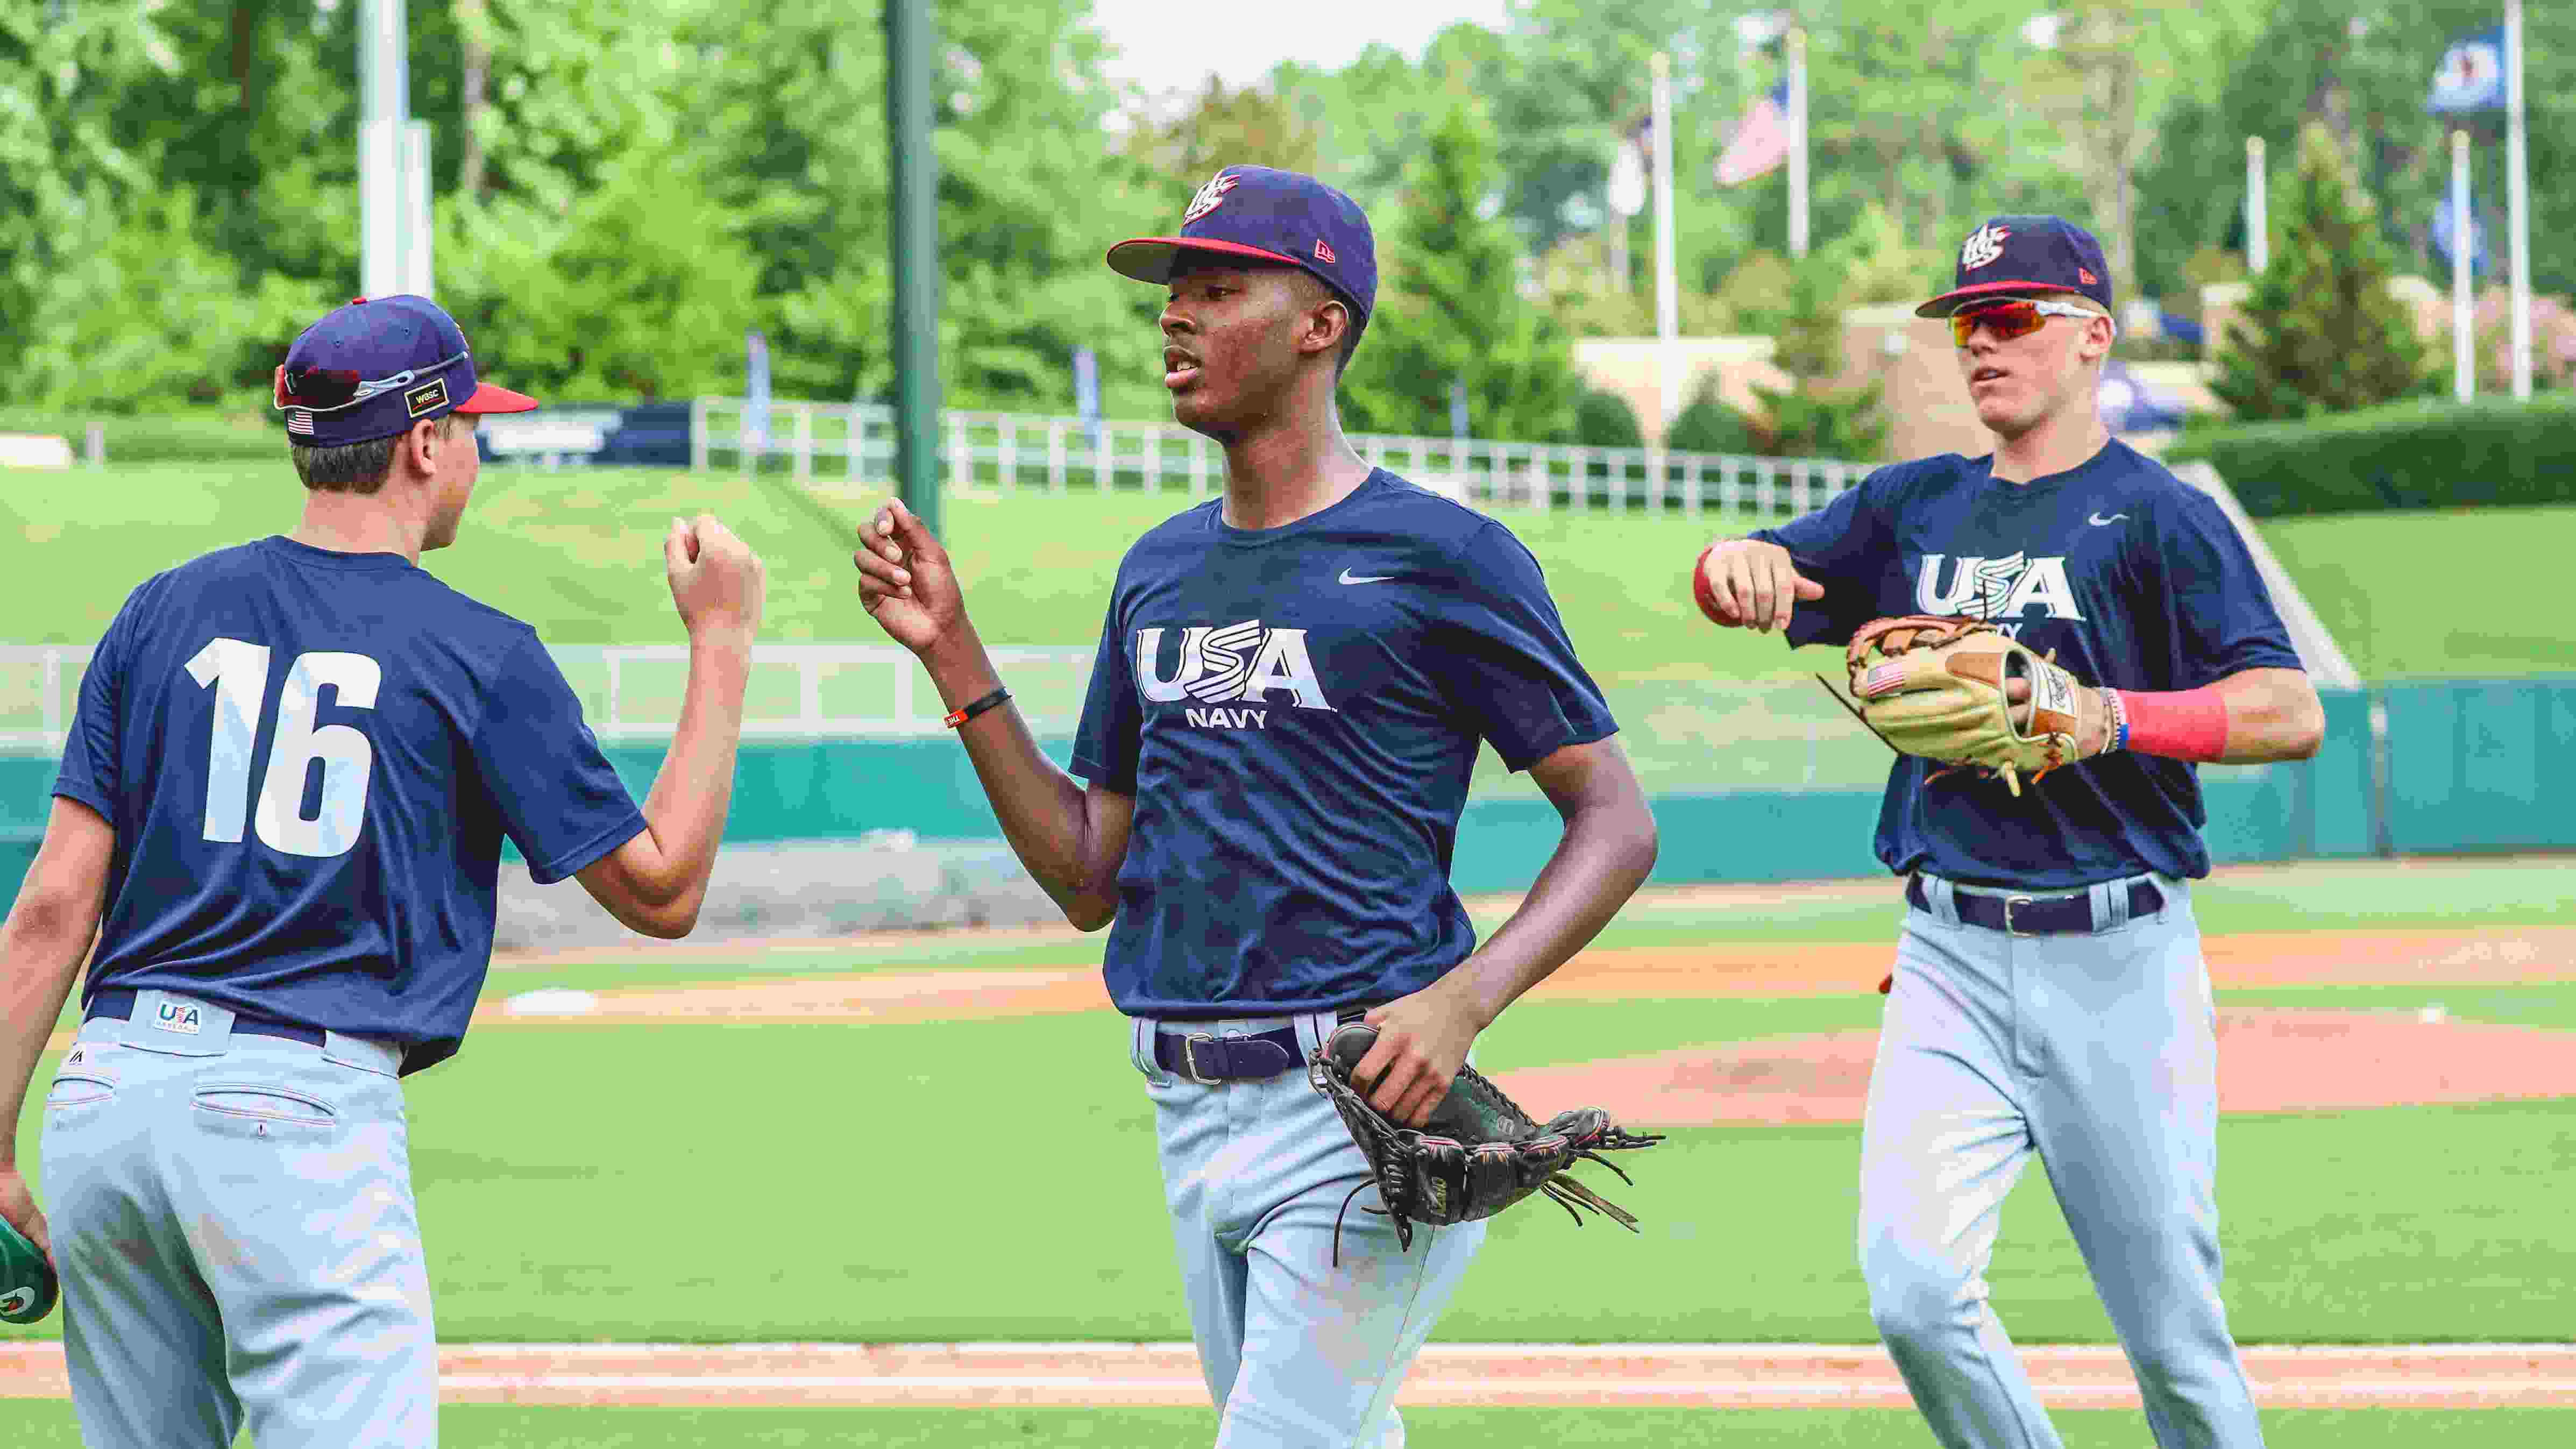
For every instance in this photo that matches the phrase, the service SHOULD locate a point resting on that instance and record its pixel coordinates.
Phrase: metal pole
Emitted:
(913, 174)
(384, 72)
(2258, 234)
(2464, 372)
(1667, 287)
(1797, 142)
(2517, 182)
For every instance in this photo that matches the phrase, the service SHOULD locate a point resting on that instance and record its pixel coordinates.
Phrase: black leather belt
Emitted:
(2037, 916)
(1208, 1060)
(118, 1004)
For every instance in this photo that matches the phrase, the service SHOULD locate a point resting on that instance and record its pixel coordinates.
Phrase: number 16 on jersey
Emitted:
(238, 670)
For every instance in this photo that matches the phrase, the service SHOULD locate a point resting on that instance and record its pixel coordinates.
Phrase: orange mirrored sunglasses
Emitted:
(2017, 318)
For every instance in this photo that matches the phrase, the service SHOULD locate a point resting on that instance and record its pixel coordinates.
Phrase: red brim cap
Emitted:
(1150, 258)
(490, 399)
(1952, 301)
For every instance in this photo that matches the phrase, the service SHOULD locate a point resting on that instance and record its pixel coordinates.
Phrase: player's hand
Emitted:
(717, 582)
(1422, 1041)
(2092, 715)
(905, 582)
(18, 1205)
(1745, 583)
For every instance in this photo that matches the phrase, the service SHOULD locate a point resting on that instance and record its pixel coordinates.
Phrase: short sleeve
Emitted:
(2224, 615)
(92, 770)
(1503, 660)
(1844, 547)
(1106, 744)
(558, 796)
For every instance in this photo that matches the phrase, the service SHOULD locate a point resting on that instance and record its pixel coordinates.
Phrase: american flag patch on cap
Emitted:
(299, 420)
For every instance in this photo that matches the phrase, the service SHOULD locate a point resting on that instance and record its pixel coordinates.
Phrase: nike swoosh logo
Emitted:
(2098, 521)
(1351, 578)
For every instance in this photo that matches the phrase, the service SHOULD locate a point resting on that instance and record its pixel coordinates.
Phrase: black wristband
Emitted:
(965, 712)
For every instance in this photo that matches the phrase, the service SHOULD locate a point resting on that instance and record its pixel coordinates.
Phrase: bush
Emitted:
(1604, 420)
(190, 437)
(2319, 332)
(2404, 455)
(1708, 425)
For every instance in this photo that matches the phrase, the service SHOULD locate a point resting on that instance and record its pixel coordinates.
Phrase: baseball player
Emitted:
(281, 809)
(2049, 994)
(1291, 686)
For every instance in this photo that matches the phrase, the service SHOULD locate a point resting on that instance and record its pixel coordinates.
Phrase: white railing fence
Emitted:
(850, 446)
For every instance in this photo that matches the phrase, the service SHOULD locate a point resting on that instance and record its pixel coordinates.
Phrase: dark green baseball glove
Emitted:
(1477, 1155)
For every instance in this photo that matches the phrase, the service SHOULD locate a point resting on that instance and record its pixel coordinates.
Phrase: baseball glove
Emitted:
(1478, 1154)
(1934, 687)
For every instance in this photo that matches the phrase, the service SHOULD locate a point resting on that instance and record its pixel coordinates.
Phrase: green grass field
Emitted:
(38, 1424)
(577, 554)
(720, 1183)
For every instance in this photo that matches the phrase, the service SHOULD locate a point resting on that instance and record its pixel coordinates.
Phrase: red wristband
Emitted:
(2188, 724)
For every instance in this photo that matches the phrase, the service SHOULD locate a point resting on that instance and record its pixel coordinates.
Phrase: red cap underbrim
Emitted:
(1150, 258)
(1949, 302)
(490, 399)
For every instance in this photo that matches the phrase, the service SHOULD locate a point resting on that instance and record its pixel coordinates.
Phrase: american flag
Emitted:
(1761, 139)
(299, 421)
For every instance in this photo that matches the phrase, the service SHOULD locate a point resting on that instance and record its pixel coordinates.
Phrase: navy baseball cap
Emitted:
(2020, 255)
(1275, 216)
(375, 367)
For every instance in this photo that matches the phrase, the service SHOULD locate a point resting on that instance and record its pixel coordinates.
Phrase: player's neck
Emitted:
(1276, 475)
(354, 523)
(2055, 444)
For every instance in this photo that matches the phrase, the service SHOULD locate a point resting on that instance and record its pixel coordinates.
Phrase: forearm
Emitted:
(1604, 856)
(42, 946)
(2252, 717)
(693, 791)
(1044, 812)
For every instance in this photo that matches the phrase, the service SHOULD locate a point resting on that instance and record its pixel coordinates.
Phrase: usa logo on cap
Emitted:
(1985, 245)
(1208, 198)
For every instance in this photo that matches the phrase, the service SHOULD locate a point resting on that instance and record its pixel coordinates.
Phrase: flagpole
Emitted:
(2517, 198)
(1798, 142)
(1667, 286)
(2464, 372)
(2258, 226)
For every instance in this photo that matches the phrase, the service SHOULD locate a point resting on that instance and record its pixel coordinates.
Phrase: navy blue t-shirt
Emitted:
(2137, 580)
(310, 758)
(1296, 711)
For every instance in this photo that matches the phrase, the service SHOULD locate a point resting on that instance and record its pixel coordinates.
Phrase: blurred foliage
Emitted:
(2319, 331)
(626, 187)
(1604, 420)
(2494, 452)
(1707, 425)
(1449, 307)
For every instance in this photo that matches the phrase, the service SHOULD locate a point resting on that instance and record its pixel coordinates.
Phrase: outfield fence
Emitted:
(851, 446)
(1681, 733)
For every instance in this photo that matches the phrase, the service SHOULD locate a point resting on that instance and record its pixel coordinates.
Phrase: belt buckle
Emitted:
(2009, 928)
(1190, 1059)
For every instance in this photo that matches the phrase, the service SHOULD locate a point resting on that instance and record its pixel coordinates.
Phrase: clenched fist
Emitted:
(1744, 583)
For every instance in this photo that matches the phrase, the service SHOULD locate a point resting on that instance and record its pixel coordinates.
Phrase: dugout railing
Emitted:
(850, 446)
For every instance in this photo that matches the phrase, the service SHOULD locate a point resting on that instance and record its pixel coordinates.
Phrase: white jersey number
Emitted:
(239, 673)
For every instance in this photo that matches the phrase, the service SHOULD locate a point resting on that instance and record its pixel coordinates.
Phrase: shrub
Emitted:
(1708, 425)
(1604, 420)
(2405, 455)
(2320, 332)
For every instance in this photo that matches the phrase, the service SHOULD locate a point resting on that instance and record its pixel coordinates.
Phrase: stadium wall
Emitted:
(2462, 767)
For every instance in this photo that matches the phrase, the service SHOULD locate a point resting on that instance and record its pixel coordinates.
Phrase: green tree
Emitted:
(1449, 308)
(2319, 331)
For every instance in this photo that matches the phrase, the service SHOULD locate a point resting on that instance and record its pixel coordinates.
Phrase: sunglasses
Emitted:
(2009, 320)
(328, 389)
